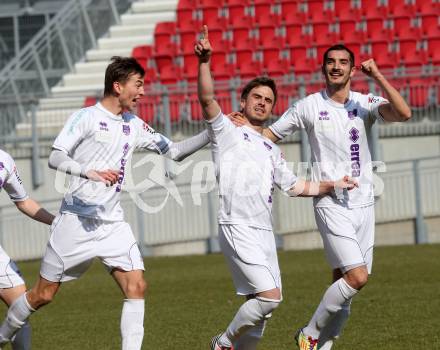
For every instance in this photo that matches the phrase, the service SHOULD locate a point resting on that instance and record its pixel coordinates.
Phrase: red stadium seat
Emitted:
(290, 13)
(404, 29)
(383, 57)
(165, 38)
(89, 101)
(350, 32)
(434, 50)
(147, 108)
(187, 19)
(170, 74)
(376, 30)
(190, 67)
(322, 34)
(142, 54)
(213, 19)
(296, 35)
(186, 4)
(218, 40)
(418, 93)
(266, 13)
(360, 85)
(346, 12)
(242, 38)
(237, 2)
(196, 113)
(374, 9)
(223, 98)
(269, 37)
(430, 26)
(317, 12)
(277, 68)
(177, 106)
(410, 53)
(237, 14)
(300, 63)
(429, 7)
(150, 76)
(187, 41)
(162, 61)
(402, 8)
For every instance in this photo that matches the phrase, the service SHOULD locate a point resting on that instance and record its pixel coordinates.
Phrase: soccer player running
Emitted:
(337, 121)
(248, 165)
(12, 285)
(95, 146)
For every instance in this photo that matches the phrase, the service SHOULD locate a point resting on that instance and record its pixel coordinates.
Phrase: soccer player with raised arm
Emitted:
(12, 285)
(95, 146)
(248, 166)
(337, 121)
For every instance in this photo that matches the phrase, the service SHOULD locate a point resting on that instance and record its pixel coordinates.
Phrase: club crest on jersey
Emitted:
(323, 115)
(352, 114)
(354, 134)
(269, 147)
(126, 129)
(103, 126)
(2, 166)
(246, 137)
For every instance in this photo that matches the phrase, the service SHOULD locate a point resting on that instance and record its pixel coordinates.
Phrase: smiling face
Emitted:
(257, 106)
(130, 92)
(338, 69)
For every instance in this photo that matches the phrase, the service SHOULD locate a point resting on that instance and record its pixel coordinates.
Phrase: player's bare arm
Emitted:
(397, 110)
(205, 86)
(32, 209)
(304, 188)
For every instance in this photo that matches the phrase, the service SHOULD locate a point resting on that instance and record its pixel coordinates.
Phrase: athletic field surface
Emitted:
(191, 299)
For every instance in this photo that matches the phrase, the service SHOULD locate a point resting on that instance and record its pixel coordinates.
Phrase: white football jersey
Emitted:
(100, 140)
(10, 179)
(338, 141)
(248, 165)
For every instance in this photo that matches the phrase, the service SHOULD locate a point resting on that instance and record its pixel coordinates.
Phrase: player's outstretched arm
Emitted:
(304, 188)
(60, 161)
(32, 209)
(205, 86)
(397, 110)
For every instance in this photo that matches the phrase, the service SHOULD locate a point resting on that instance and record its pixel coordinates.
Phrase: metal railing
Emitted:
(54, 50)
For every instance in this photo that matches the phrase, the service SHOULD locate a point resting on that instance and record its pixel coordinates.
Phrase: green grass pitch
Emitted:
(191, 299)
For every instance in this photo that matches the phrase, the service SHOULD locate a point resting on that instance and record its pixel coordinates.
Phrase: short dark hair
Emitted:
(260, 81)
(338, 47)
(119, 70)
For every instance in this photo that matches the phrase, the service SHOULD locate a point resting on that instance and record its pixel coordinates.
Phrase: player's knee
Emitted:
(358, 280)
(268, 306)
(43, 297)
(136, 289)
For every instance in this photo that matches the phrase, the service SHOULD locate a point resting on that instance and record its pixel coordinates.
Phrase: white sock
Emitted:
(22, 339)
(132, 324)
(332, 301)
(250, 339)
(334, 327)
(248, 315)
(18, 313)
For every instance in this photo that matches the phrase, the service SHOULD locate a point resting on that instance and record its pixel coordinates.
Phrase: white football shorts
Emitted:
(251, 255)
(10, 275)
(348, 236)
(76, 240)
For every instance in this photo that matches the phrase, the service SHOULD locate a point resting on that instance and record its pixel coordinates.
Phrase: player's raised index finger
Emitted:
(205, 32)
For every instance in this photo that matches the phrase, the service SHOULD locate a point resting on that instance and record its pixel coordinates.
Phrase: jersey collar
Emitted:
(337, 104)
(108, 113)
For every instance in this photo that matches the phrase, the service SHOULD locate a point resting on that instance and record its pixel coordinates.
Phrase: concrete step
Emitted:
(131, 30)
(128, 42)
(91, 67)
(62, 102)
(55, 116)
(71, 80)
(79, 90)
(47, 129)
(105, 55)
(144, 18)
(154, 6)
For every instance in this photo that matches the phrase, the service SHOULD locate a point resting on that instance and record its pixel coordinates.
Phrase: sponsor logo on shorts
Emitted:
(324, 115)
(126, 129)
(352, 114)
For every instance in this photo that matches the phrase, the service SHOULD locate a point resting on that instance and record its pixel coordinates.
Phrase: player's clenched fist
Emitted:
(109, 176)
(369, 67)
(203, 48)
